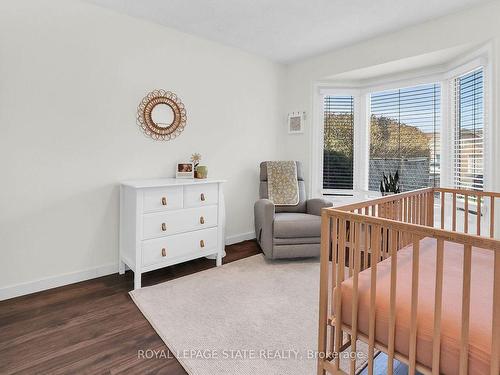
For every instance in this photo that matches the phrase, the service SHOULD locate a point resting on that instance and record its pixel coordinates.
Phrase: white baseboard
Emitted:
(240, 237)
(56, 281)
(17, 290)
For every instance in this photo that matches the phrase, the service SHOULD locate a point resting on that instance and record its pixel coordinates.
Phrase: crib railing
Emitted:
(358, 236)
(465, 204)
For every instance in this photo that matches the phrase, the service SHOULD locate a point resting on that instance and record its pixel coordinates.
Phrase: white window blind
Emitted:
(468, 132)
(338, 142)
(405, 136)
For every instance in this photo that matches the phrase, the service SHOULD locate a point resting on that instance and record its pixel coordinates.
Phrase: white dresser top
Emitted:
(159, 182)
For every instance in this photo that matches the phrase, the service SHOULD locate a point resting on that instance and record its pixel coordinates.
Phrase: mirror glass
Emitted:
(162, 115)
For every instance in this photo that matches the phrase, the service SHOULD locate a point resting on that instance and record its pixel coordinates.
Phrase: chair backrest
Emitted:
(301, 207)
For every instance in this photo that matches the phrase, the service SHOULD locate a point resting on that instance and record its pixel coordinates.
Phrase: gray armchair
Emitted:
(288, 231)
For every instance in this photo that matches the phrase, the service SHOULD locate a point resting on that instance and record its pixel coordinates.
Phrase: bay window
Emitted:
(433, 131)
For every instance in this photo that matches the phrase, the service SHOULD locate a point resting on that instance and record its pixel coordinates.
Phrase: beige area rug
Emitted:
(252, 316)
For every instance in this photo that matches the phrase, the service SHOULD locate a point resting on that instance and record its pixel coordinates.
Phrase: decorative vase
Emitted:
(201, 171)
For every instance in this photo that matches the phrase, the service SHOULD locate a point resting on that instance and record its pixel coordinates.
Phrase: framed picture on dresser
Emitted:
(184, 170)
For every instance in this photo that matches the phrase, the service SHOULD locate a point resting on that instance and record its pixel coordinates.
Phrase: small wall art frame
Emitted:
(184, 170)
(296, 122)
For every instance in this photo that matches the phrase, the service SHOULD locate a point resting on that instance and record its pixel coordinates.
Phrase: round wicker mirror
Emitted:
(161, 115)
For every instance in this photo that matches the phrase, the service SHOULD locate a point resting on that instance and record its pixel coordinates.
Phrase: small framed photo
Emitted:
(296, 123)
(184, 170)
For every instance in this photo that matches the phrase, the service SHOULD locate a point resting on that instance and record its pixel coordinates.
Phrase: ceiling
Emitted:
(287, 30)
(439, 61)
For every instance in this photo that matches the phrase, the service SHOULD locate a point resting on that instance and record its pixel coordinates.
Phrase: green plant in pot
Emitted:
(200, 171)
(390, 184)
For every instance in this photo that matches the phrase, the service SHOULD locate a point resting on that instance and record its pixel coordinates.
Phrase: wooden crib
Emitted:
(414, 276)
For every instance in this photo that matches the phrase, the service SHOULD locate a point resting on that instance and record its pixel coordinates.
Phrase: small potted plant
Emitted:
(390, 184)
(200, 171)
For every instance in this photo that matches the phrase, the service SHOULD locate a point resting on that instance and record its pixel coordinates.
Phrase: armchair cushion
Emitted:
(296, 225)
(314, 206)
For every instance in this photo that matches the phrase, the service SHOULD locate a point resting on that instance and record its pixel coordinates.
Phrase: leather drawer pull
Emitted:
(202, 197)
(163, 227)
(202, 243)
(164, 201)
(163, 252)
(202, 220)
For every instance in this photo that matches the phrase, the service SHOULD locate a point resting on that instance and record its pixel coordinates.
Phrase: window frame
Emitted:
(318, 140)
(481, 61)
(361, 94)
(401, 85)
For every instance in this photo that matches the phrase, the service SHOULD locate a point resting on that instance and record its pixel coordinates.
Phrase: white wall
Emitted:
(71, 77)
(474, 26)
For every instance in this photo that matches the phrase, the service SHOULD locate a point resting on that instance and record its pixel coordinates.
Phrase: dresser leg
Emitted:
(121, 267)
(218, 261)
(137, 280)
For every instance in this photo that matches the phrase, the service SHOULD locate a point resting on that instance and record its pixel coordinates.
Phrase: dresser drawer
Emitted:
(201, 195)
(167, 248)
(172, 222)
(162, 199)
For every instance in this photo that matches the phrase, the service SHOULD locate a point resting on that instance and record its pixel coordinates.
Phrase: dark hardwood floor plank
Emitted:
(46, 322)
(91, 327)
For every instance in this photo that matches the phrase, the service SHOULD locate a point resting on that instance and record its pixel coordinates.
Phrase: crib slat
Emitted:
(454, 216)
(442, 209)
(466, 213)
(407, 218)
(418, 205)
(410, 209)
(333, 274)
(367, 244)
(427, 209)
(338, 299)
(415, 204)
(375, 232)
(414, 305)
(464, 336)
(402, 210)
(436, 339)
(354, 321)
(405, 209)
(323, 293)
(422, 209)
(431, 208)
(335, 241)
(383, 248)
(392, 313)
(351, 248)
(495, 331)
(417, 209)
(478, 214)
(492, 217)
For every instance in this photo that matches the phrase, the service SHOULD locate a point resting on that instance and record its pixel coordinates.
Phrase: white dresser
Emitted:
(169, 221)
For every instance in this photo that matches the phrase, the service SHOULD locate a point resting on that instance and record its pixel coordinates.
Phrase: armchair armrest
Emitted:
(314, 206)
(264, 219)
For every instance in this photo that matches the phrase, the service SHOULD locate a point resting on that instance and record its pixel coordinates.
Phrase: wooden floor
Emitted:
(93, 327)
